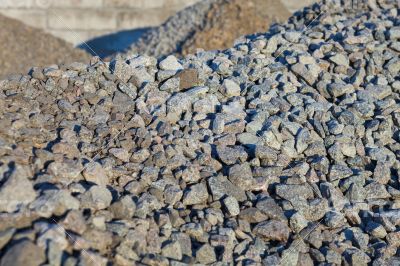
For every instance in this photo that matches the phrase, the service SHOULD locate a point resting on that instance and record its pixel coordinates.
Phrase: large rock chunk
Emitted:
(302, 71)
(291, 192)
(196, 194)
(97, 198)
(170, 63)
(220, 186)
(241, 176)
(231, 155)
(95, 173)
(25, 253)
(272, 230)
(16, 191)
(206, 254)
(339, 172)
(230, 88)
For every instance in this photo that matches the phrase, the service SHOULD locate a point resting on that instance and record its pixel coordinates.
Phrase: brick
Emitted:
(85, 19)
(35, 18)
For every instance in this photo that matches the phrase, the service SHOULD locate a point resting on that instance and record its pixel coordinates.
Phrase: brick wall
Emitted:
(80, 20)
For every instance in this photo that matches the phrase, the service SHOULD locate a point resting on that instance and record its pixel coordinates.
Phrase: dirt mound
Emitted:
(227, 21)
(22, 47)
(211, 25)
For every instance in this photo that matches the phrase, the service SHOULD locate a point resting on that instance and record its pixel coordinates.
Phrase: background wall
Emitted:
(294, 5)
(80, 20)
(77, 21)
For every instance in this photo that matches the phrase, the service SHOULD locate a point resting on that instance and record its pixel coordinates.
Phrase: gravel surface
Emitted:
(210, 24)
(22, 47)
(221, 158)
(228, 20)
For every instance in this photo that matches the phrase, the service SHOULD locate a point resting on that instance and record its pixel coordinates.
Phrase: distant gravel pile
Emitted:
(221, 158)
(22, 47)
(210, 24)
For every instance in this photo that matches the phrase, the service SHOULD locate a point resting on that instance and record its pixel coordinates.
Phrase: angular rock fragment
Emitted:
(272, 230)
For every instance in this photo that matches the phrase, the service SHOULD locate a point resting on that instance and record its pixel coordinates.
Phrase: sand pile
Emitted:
(22, 47)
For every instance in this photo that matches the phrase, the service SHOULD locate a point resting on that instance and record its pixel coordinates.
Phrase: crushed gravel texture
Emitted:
(282, 150)
(210, 25)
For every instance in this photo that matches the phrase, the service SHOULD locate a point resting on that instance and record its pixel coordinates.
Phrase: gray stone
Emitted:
(122, 70)
(241, 176)
(97, 197)
(124, 208)
(269, 207)
(221, 186)
(302, 71)
(54, 202)
(232, 206)
(291, 192)
(253, 215)
(230, 88)
(120, 153)
(376, 230)
(340, 60)
(298, 222)
(129, 89)
(16, 191)
(394, 33)
(172, 250)
(95, 173)
(231, 155)
(171, 85)
(265, 153)
(196, 194)
(146, 204)
(5, 236)
(172, 194)
(339, 172)
(272, 230)
(206, 254)
(24, 253)
(170, 63)
(334, 219)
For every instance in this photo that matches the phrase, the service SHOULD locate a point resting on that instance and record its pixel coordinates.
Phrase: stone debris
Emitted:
(228, 157)
(210, 25)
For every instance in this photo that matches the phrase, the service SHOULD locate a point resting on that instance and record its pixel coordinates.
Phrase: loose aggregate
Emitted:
(210, 25)
(282, 150)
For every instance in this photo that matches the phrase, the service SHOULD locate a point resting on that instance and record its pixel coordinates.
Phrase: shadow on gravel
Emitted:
(108, 45)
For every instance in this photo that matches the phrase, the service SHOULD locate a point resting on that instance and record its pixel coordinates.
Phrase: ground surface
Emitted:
(22, 47)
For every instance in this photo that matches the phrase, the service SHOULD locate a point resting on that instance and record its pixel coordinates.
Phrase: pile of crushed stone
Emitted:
(282, 150)
(210, 25)
(22, 47)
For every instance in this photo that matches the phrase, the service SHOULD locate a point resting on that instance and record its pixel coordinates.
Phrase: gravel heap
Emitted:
(22, 47)
(210, 24)
(220, 158)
